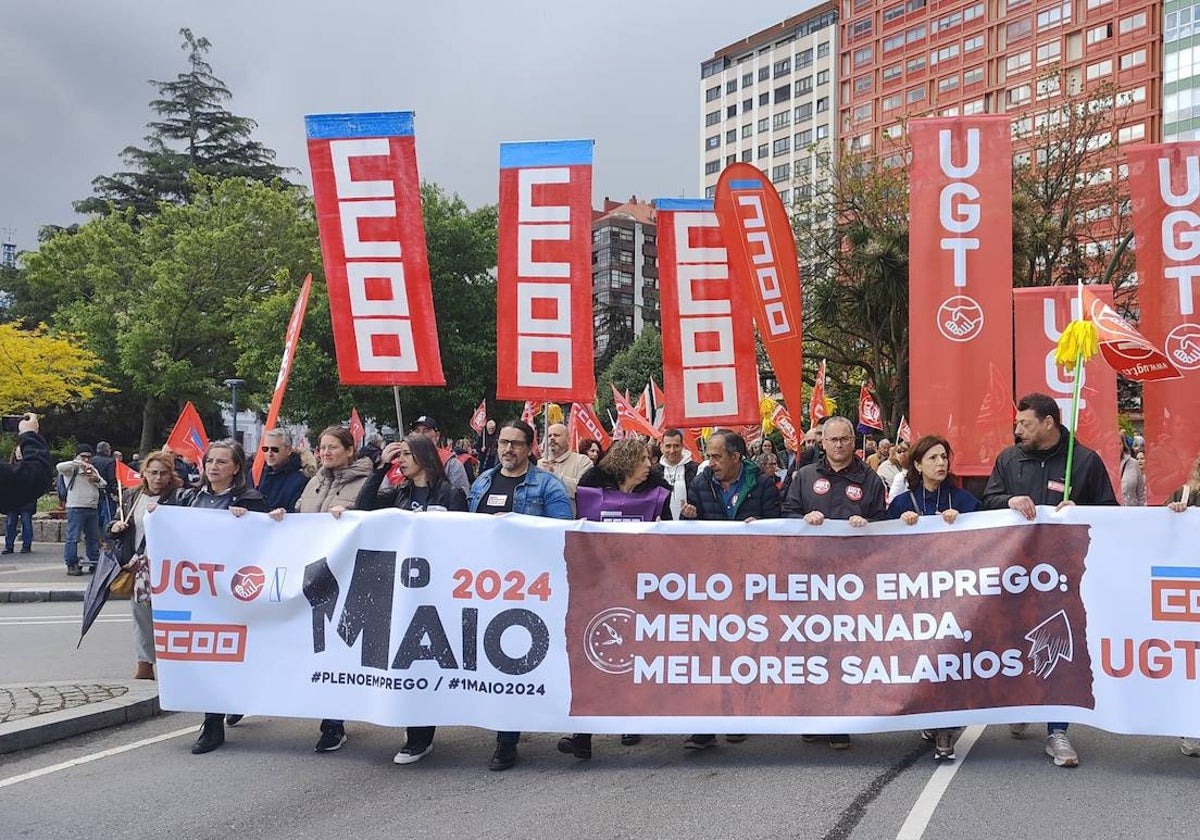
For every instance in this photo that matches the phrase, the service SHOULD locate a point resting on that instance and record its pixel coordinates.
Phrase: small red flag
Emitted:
(126, 477)
(357, 430)
(188, 438)
(479, 418)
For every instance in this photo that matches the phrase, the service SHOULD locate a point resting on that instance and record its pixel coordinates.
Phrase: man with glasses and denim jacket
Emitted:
(282, 480)
(517, 486)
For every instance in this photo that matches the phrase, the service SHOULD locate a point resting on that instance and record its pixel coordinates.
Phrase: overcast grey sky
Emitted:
(74, 92)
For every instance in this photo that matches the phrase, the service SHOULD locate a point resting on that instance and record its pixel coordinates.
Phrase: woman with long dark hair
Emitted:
(425, 488)
(932, 492)
(223, 486)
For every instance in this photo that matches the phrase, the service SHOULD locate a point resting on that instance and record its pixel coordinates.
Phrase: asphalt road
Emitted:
(267, 783)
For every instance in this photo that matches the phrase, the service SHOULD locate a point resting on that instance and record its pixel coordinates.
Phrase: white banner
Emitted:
(1090, 615)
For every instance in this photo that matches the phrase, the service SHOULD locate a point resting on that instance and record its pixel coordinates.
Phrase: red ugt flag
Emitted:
(188, 438)
(126, 477)
(479, 418)
(869, 415)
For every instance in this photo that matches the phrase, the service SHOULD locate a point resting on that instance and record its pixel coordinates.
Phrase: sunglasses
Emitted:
(270, 449)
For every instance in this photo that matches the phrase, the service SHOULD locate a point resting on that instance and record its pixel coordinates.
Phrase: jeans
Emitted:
(10, 535)
(507, 738)
(85, 522)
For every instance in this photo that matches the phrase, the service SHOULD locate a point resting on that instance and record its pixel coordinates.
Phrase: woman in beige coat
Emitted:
(333, 489)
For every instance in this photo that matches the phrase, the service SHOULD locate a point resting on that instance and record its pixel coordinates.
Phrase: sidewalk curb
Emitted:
(138, 703)
(36, 594)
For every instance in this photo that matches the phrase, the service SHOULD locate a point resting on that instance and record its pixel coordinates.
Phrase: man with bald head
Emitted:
(559, 460)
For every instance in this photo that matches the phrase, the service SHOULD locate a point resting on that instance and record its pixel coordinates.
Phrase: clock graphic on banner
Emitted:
(608, 640)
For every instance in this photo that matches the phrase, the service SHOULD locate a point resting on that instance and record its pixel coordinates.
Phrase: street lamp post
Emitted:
(233, 385)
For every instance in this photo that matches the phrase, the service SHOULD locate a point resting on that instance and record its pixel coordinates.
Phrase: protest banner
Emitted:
(368, 198)
(960, 285)
(544, 273)
(708, 342)
(1088, 615)
(1164, 185)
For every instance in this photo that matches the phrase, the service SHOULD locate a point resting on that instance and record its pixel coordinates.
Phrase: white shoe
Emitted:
(1190, 746)
(411, 755)
(1017, 730)
(1058, 747)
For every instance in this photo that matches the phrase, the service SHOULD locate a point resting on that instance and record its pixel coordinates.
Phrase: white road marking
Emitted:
(87, 759)
(922, 810)
(74, 619)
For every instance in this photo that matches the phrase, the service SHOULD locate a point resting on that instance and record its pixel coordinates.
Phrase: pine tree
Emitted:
(194, 132)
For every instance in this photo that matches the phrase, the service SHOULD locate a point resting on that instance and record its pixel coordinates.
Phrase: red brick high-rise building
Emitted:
(908, 58)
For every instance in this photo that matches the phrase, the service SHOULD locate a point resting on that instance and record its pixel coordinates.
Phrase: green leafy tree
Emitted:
(631, 369)
(162, 301)
(194, 132)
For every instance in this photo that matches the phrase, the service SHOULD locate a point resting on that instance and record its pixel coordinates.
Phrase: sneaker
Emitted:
(1017, 730)
(1059, 748)
(331, 740)
(579, 746)
(630, 740)
(412, 753)
(504, 757)
(1190, 746)
(26, 549)
(943, 746)
(700, 742)
(7, 551)
(736, 739)
(74, 571)
(839, 742)
(233, 720)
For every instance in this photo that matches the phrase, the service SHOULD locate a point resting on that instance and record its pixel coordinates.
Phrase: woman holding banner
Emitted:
(222, 487)
(425, 488)
(1188, 496)
(931, 492)
(159, 484)
(334, 488)
(621, 488)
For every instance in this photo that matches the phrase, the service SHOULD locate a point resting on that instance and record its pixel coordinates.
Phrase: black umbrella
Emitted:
(107, 569)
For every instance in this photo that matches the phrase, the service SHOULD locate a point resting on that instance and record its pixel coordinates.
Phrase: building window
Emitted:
(915, 95)
(894, 132)
(764, 73)
(804, 85)
(747, 156)
(764, 124)
(712, 93)
(1131, 133)
(731, 86)
(731, 112)
(747, 105)
(803, 138)
(860, 28)
(944, 54)
(730, 159)
(747, 79)
(975, 107)
(861, 113)
(1055, 16)
(804, 112)
(1048, 52)
(915, 34)
(973, 43)
(1099, 70)
(785, 196)
(863, 56)
(1018, 62)
(710, 192)
(712, 167)
(1099, 33)
(1132, 22)
(822, 77)
(731, 136)
(1048, 87)
(891, 103)
(747, 130)
(763, 151)
(894, 13)
(764, 99)
(973, 76)
(823, 49)
(804, 59)
(823, 104)
(782, 67)
(1018, 29)
(915, 64)
(863, 84)
(1019, 95)
(713, 142)
(783, 93)
(712, 118)
(895, 42)
(948, 83)
(822, 132)
(893, 72)
(781, 146)
(781, 172)
(1133, 59)
(781, 120)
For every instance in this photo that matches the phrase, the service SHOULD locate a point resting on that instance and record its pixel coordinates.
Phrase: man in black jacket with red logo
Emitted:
(838, 485)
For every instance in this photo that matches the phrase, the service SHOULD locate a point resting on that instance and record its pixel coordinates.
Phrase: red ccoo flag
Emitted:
(630, 419)
(188, 438)
(479, 418)
(357, 430)
(126, 477)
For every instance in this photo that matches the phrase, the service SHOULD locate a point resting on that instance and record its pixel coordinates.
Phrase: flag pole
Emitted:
(399, 412)
(1074, 402)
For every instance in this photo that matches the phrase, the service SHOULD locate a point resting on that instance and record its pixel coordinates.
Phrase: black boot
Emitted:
(578, 745)
(212, 735)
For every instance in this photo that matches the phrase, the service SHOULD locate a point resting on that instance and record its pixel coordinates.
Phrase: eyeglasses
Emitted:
(511, 444)
(158, 472)
(839, 441)
(271, 449)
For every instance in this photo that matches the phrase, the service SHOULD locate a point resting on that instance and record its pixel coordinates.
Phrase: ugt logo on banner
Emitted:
(544, 288)
(368, 198)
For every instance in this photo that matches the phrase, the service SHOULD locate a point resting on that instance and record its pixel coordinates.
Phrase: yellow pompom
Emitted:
(554, 413)
(1079, 340)
(830, 406)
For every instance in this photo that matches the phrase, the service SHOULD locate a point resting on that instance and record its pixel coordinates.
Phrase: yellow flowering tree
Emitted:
(39, 370)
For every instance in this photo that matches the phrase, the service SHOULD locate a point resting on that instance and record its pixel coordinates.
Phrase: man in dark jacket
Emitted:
(282, 481)
(1033, 472)
(732, 488)
(27, 479)
(839, 485)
